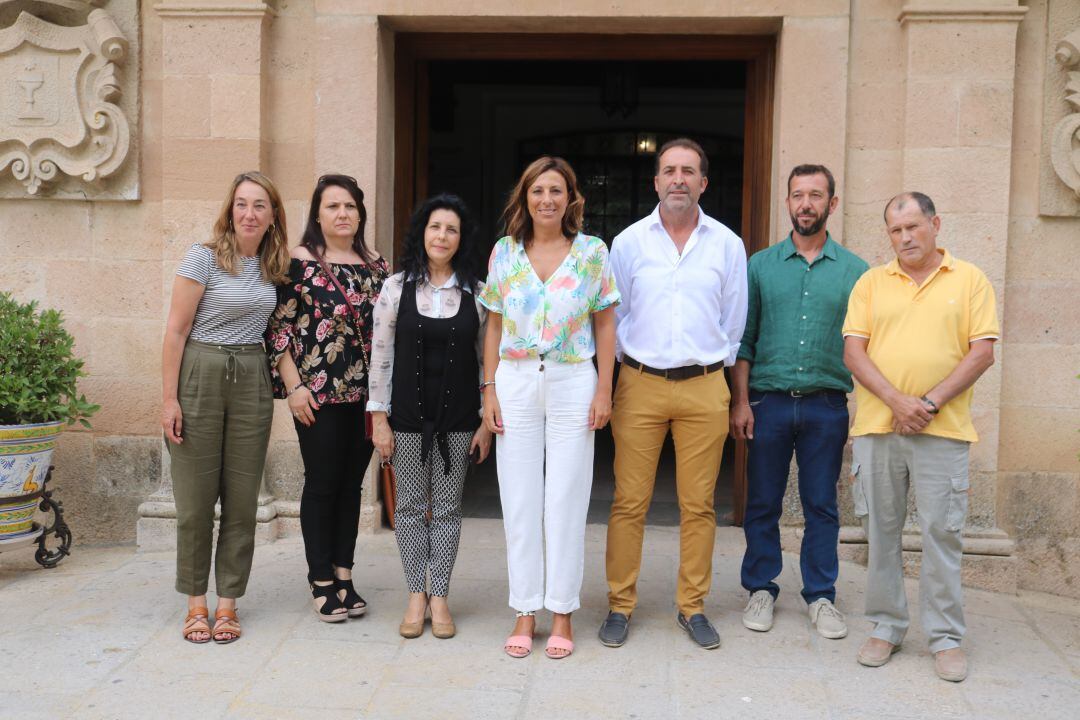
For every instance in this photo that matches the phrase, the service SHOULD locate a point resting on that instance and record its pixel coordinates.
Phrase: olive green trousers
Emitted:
(227, 404)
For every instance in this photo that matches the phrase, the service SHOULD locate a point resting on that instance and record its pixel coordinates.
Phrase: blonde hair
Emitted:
(516, 218)
(274, 246)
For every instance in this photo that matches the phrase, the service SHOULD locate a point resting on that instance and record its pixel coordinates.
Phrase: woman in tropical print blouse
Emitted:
(550, 294)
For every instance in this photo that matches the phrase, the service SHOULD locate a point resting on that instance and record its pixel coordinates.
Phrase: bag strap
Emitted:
(340, 288)
(348, 303)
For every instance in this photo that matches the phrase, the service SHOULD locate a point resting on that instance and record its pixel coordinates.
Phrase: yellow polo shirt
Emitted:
(918, 335)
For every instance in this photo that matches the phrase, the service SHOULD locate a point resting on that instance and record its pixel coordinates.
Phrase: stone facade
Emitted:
(68, 121)
(967, 101)
(1038, 498)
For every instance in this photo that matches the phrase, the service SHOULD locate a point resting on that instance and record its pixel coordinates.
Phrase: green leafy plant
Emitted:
(38, 367)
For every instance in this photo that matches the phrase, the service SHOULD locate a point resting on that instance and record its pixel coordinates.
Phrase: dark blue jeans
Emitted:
(815, 428)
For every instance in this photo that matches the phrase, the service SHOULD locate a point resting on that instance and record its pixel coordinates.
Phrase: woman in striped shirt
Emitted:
(216, 396)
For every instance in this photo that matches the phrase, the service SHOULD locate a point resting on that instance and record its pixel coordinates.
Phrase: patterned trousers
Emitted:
(429, 549)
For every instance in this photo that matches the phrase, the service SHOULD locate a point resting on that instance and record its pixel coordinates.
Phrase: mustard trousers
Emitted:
(646, 407)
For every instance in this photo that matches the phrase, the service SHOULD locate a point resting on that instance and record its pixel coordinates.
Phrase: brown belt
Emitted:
(680, 373)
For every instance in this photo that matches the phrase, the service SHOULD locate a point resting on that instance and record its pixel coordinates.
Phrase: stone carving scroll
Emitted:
(1065, 139)
(58, 107)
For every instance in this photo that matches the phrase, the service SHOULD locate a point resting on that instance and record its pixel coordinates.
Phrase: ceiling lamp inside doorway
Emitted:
(646, 144)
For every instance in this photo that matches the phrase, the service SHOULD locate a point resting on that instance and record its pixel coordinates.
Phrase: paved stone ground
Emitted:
(98, 637)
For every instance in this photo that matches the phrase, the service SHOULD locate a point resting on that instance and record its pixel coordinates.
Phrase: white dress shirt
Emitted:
(677, 310)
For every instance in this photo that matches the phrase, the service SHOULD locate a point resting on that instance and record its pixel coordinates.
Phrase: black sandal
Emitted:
(352, 601)
(327, 613)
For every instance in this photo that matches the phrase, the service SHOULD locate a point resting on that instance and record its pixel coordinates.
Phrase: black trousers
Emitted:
(336, 454)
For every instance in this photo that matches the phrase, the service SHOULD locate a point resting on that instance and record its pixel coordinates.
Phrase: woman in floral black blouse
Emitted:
(320, 340)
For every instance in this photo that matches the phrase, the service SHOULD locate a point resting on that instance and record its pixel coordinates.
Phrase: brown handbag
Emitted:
(388, 490)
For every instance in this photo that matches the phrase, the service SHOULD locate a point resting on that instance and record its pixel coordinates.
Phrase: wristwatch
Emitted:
(934, 409)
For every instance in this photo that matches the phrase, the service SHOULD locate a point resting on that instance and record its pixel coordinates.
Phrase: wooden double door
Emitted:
(418, 54)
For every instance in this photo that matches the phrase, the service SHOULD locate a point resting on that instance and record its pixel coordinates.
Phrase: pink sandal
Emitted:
(556, 642)
(518, 641)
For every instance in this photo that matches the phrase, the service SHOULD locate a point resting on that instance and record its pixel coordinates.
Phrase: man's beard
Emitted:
(814, 228)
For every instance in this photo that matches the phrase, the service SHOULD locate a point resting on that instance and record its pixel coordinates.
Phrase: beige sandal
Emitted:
(195, 622)
(225, 622)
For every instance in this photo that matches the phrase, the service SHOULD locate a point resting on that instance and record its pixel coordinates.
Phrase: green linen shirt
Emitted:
(794, 318)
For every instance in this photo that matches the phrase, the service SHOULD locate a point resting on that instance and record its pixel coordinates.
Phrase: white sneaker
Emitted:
(827, 619)
(759, 611)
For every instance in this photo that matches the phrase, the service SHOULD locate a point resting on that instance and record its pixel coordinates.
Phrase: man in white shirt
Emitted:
(682, 276)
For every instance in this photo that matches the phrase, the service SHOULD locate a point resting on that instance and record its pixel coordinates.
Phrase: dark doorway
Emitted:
(473, 112)
(488, 120)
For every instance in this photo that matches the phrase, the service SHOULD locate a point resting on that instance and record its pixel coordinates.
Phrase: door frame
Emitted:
(413, 51)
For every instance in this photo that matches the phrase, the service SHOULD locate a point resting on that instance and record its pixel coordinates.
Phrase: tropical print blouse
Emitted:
(314, 324)
(552, 318)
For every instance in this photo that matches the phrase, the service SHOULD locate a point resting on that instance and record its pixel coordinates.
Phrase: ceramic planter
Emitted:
(25, 454)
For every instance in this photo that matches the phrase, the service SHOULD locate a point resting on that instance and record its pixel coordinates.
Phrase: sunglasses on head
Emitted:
(324, 179)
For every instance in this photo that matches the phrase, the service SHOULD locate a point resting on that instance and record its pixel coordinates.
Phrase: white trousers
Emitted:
(546, 416)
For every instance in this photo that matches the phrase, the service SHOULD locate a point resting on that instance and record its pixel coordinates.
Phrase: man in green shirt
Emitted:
(789, 394)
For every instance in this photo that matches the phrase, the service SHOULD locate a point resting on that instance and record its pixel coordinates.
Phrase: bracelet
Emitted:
(934, 409)
(485, 384)
(295, 387)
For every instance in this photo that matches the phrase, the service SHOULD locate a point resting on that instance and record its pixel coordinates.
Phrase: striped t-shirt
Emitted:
(234, 309)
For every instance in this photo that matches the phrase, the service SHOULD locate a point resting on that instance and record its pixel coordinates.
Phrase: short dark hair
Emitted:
(414, 259)
(926, 205)
(807, 169)
(689, 145)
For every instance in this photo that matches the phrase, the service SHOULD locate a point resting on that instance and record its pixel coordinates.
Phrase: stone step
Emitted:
(988, 562)
(977, 541)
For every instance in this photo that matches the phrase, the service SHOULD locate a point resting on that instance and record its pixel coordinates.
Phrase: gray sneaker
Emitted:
(759, 611)
(827, 619)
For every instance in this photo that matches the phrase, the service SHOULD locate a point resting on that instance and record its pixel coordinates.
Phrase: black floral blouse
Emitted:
(314, 324)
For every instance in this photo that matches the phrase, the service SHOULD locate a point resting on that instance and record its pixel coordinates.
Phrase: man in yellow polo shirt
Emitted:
(919, 332)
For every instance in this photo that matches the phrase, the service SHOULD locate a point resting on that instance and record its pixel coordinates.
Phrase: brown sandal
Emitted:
(196, 621)
(225, 622)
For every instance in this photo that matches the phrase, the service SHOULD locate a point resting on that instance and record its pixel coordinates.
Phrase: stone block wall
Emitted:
(953, 103)
(99, 262)
(967, 123)
(956, 102)
(1038, 495)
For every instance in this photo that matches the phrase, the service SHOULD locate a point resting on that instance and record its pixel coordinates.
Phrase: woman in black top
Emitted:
(319, 340)
(425, 401)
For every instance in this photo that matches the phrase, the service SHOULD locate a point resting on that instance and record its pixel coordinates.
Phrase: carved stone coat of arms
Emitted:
(1065, 141)
(58, 111)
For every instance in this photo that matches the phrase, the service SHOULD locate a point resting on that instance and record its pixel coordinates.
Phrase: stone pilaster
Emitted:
(354, 124)
(958, 89)
(213, 126)
(215, 106)
(810, 118)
